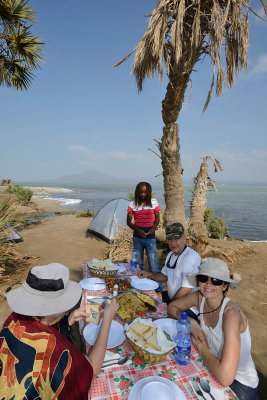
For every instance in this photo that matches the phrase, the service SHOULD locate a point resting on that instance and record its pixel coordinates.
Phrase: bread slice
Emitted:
(137, 340)
(153, 342)
(150, 332)
(94, 310)
(140, 329)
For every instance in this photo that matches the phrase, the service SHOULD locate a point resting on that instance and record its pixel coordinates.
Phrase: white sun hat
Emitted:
(46, 291)
(215, 268)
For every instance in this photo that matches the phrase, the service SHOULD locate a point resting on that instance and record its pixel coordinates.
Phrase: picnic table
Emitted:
(115, 382)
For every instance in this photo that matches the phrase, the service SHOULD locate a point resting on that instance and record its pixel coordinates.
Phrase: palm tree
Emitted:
(179, 34)
(197, 226)
(19, 49)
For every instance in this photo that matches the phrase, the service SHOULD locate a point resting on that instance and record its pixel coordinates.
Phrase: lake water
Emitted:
(244, 208)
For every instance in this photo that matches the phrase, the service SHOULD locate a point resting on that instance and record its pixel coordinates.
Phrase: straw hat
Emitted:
(46, 291)
(214, 268)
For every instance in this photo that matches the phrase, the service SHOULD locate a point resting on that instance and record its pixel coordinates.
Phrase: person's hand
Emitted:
(151, 231)
(201, 345)
(78, 315)
(110, 309)
(198, 336)
(141, 233)
(143, 274)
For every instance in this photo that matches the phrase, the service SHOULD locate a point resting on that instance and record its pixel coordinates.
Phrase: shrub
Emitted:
(131, 196)
(22, 195)
(85, 213)
(216, 226)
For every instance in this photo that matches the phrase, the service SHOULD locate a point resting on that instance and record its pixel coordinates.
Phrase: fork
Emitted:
(197, 389)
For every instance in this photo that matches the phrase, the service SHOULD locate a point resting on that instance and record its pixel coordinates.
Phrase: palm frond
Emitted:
(180, 33)
(13, 11)
(20, 51)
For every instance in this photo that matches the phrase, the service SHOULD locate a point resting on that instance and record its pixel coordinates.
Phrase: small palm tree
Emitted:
(198, 205)
(179, 34)
(19, 49)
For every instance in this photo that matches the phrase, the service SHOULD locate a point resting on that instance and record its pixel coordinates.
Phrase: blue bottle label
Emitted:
(184, 352)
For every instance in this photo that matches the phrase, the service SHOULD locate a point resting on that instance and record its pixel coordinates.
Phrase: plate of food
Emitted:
(115, 338)
(123, 284)
(144, 284)
(133, 304)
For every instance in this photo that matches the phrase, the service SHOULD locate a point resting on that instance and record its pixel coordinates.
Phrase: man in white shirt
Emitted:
(180, 261)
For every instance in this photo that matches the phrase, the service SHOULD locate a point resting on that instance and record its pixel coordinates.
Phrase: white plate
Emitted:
(168, 325)
(156, 388)
(92, 283)
(115, 338)
(122, 268)
(144, 284)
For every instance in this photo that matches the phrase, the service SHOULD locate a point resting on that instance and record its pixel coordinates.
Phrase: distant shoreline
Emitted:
(46, 190)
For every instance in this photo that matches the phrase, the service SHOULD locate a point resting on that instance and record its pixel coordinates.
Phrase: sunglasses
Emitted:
(168, 262)
(205, 278)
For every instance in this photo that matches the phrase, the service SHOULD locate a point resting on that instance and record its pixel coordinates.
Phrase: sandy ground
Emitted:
(63, 239)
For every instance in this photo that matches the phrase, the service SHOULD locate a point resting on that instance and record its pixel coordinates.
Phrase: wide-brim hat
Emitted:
(46, 291)
(214, 268)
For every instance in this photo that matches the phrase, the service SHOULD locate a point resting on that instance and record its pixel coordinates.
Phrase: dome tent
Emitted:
(109, 217)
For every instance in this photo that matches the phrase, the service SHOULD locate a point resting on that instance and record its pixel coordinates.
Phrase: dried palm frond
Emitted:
(120, 249)
(198, 204)
(180, 33)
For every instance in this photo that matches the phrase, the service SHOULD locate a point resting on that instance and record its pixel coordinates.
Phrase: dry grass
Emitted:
(120, 249)
(85, 213)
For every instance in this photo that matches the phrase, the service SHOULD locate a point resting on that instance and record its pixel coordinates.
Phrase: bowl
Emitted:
(103, 273)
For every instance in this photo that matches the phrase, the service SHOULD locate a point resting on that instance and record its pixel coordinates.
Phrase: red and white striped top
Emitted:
(144, 216)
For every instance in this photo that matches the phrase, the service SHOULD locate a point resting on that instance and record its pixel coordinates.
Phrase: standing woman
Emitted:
(223, 337)
(145, 212)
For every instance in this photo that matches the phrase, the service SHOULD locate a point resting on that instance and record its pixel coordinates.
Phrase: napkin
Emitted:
(106, 264)
(165, 344)
(109, 356)
(218, 394)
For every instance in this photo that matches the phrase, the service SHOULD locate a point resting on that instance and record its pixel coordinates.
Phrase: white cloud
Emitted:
(80, 149)
(119, 155)
(243, 166)
(261, 66)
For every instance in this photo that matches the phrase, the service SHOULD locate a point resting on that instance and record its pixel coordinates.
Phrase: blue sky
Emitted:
(81, 113)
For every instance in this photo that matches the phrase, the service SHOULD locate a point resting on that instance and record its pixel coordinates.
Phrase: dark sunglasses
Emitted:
(205, 278)
(168, 262)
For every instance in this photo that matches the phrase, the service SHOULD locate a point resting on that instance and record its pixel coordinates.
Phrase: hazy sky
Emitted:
(81, 113)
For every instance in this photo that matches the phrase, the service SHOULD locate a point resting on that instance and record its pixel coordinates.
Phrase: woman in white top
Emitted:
(223, 337)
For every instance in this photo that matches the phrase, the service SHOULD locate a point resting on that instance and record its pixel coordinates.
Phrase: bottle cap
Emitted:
(184, 315)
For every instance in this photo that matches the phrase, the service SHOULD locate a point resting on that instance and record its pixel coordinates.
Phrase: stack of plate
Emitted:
(156, 388)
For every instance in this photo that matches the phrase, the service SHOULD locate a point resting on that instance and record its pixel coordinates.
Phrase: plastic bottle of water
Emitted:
(183, 340)
(134, 260)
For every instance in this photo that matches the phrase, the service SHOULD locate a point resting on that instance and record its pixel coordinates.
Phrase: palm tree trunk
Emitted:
(170, 146)
(172, 176)
(197, 226)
